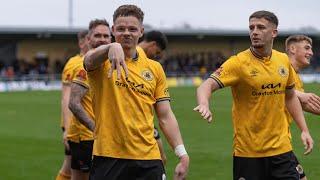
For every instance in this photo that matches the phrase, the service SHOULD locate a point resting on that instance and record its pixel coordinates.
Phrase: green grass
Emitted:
(31, 146)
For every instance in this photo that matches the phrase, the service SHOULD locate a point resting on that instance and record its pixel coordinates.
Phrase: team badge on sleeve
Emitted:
(82, 75)
(68, 78)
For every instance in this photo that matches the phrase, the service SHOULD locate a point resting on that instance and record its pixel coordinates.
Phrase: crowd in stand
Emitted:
(22, 69)
(184, 64)
(192, 64)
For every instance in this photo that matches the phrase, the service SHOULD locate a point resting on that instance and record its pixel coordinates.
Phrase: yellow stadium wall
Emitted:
(54, 49)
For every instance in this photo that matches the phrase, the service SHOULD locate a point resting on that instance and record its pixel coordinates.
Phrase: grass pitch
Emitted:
(31, 145)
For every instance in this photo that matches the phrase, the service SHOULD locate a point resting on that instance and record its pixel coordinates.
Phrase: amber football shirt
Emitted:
(124, 109)
(298, 83)
(258, 89)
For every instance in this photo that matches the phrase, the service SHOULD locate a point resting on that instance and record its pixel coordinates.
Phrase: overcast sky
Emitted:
(226, 14)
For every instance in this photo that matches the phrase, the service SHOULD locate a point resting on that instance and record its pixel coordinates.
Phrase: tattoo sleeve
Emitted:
(77, 93)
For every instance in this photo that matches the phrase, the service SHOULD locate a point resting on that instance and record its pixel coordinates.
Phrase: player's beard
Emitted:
(257, 46)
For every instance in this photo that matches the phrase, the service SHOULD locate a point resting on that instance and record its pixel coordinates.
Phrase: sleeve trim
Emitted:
(81, 83)
(163, 99)
(290, 87)
(217, 80)
(66, 83)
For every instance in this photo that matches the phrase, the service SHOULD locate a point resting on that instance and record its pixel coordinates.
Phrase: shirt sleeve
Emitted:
(81, 76)
(291, 80)
(161, 91)
(228, 73)
(66, 75)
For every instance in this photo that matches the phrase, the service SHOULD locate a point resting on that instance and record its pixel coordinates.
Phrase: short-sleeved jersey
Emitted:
(298, 83)
(124, 109)
(68, 73)
(258, 89)
(77, 131)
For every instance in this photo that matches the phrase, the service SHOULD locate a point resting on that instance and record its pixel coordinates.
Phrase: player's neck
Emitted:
(295, 64)
(130, 53)
(262, 52)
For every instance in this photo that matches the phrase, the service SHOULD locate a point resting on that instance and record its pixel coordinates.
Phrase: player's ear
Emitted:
(292, 49)
(274, 32)
(142, 31)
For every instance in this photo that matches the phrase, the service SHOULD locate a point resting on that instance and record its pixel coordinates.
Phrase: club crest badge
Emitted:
(283, 71)
(147, 75)
(299, 169)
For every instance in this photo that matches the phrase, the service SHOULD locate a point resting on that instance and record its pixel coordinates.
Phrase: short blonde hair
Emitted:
(295, 39)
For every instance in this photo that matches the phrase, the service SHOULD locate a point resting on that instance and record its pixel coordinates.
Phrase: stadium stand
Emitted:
(40, 53)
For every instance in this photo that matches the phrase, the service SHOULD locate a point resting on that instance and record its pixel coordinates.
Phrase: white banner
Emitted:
(29, 85)
(172, 82)
(310, 78)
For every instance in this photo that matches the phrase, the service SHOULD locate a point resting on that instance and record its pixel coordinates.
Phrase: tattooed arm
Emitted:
(77, 93)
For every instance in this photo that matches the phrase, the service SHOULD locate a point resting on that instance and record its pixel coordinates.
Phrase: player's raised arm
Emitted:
(114, 52)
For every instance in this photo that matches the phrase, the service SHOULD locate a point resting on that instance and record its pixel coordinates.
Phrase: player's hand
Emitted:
(116, 56)
(65, 140)
(307, 141)
(181, 170)
(204, 112)
(310, 100)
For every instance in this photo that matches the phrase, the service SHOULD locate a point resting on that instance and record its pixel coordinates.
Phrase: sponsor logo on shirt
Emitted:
(269, 90)
(129, 84)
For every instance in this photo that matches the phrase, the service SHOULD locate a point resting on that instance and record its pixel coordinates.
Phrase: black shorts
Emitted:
(283, 166)
(124, 169)
(81, 155)
(66, 151)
